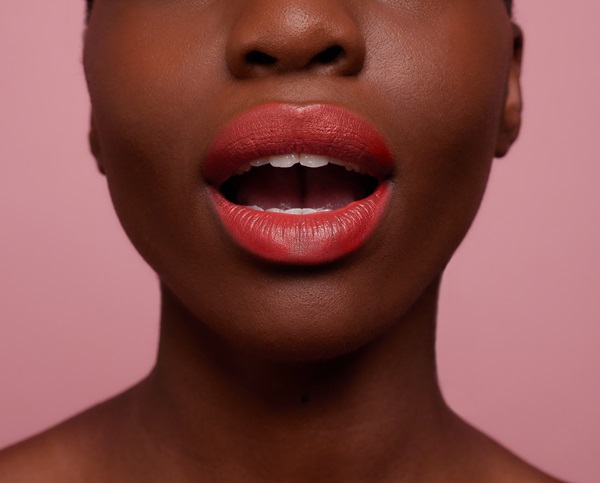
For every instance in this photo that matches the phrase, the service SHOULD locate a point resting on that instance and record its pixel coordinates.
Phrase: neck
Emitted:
(237, 417)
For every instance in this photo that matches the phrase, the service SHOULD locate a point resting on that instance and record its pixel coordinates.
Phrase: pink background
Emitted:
(519, 325)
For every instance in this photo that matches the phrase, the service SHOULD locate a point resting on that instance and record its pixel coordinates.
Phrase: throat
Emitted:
(327, 188)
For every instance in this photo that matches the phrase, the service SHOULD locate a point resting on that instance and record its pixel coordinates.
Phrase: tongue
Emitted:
(329, 187)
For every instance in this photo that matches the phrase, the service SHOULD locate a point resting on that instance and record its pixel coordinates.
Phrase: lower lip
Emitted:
(312, 239)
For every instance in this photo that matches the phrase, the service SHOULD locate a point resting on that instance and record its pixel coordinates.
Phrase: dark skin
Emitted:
(274, 372)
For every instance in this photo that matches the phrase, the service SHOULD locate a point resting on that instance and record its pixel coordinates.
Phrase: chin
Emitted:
(301, 319)
(300, 340)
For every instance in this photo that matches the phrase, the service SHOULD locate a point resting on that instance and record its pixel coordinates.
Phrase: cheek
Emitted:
(440, 94)
(442, 79)
(444, 76)
(151, 81)
(151, 74)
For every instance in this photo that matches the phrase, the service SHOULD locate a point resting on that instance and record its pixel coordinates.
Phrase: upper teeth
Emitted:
(291, 211)
(289, 160)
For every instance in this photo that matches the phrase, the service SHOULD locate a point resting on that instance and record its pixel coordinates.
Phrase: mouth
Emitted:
(299, 185)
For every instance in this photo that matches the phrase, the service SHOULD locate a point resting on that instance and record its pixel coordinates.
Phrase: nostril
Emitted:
(256, 57)
(329, 55)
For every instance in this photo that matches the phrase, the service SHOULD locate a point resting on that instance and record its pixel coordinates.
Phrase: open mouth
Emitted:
(298, 184)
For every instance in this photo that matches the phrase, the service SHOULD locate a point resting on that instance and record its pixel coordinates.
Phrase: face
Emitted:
(417, 95)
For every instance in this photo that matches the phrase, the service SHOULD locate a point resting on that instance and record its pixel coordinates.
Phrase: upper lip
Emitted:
(276, 129)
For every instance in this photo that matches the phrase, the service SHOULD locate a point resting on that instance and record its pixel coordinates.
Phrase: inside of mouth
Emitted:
(329, 187)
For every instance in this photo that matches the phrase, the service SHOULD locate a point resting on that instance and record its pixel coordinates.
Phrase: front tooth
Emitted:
(259, 162)
(284, 161)
(292, 211)
(313, 161)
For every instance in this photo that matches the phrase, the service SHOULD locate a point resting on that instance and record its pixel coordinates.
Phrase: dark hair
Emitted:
(509, 5)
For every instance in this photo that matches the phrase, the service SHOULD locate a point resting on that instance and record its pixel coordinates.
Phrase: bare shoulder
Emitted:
(66, 453)
(496, 464)
(43, 458)
(511, 468)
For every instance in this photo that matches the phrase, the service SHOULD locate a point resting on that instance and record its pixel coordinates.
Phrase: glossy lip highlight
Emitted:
(319, 129)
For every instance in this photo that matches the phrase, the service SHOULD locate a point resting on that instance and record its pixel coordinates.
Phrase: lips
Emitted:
(316, 185)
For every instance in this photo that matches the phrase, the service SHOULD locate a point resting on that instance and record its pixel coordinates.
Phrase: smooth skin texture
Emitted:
(275, 373)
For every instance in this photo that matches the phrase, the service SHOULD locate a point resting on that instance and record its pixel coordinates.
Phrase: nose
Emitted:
(278, 36)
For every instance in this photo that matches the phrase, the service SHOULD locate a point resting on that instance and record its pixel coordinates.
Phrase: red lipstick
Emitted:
(313, 132)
